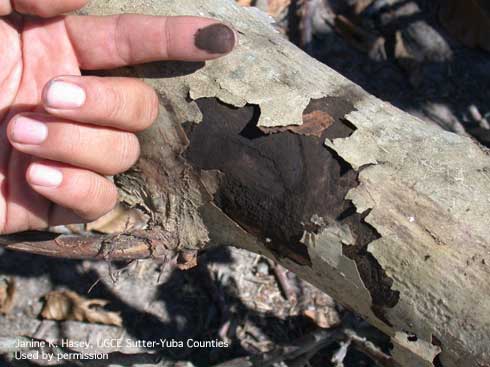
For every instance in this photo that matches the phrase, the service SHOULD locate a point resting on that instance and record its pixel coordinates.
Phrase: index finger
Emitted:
(40, 8)
(129, 39)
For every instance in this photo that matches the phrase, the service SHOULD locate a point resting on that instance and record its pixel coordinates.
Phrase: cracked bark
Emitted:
(269, 150)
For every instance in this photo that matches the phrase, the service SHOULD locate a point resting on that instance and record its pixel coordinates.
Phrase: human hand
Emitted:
(61, 133)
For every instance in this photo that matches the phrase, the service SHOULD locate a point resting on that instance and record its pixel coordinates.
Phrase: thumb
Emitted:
(40, 8)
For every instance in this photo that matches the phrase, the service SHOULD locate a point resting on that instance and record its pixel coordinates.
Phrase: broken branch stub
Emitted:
(270, 150)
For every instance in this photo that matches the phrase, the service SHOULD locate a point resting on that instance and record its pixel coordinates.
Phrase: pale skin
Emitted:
(63, 133)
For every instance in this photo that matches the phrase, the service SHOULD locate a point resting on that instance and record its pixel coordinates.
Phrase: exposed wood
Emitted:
(270, 150)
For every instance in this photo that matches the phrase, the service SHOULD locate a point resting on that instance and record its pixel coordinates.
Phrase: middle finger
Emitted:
(100, 149)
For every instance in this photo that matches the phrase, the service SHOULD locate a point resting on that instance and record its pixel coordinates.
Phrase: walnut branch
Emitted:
(137, 245)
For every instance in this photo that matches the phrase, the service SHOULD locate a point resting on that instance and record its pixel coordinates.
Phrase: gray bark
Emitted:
(270, 150)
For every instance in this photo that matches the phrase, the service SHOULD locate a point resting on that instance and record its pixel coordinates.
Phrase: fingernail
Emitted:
(28, 131)
(64, 95)
(41, 175)
(216, 39)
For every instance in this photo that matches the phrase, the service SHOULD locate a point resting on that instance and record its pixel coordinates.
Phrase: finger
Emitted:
(135, 39)
(103, 150)
(84, 192)
(59, 216)
(5, 7)
(40, 8)
(124, 103)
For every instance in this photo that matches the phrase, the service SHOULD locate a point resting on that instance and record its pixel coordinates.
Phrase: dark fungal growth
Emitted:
(274, 180)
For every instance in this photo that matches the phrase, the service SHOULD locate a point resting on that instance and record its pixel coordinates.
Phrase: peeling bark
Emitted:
(269, 150)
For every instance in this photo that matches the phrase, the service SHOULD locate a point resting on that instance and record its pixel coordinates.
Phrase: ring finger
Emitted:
(84, 193)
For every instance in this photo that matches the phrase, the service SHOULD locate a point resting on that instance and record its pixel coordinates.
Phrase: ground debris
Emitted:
(275, 8)
(7, 295)
(324, 318)
(469, 21)
(67, 305)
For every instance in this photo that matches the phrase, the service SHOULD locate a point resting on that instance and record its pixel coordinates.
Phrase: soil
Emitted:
(232, 295)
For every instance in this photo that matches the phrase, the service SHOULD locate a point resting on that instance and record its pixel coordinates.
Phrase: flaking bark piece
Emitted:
(68, 305)
(314, 124)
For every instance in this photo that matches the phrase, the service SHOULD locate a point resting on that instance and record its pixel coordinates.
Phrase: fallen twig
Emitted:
(287, 289)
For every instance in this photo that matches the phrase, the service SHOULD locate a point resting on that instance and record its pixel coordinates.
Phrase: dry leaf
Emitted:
(67, 305)
(275, 8)
(278, 7)
(468, 21)
(187, 260)
(118, 220)
(7, 294)
(403, 55)
(245, 2)
(325, 318)
(407, 61)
